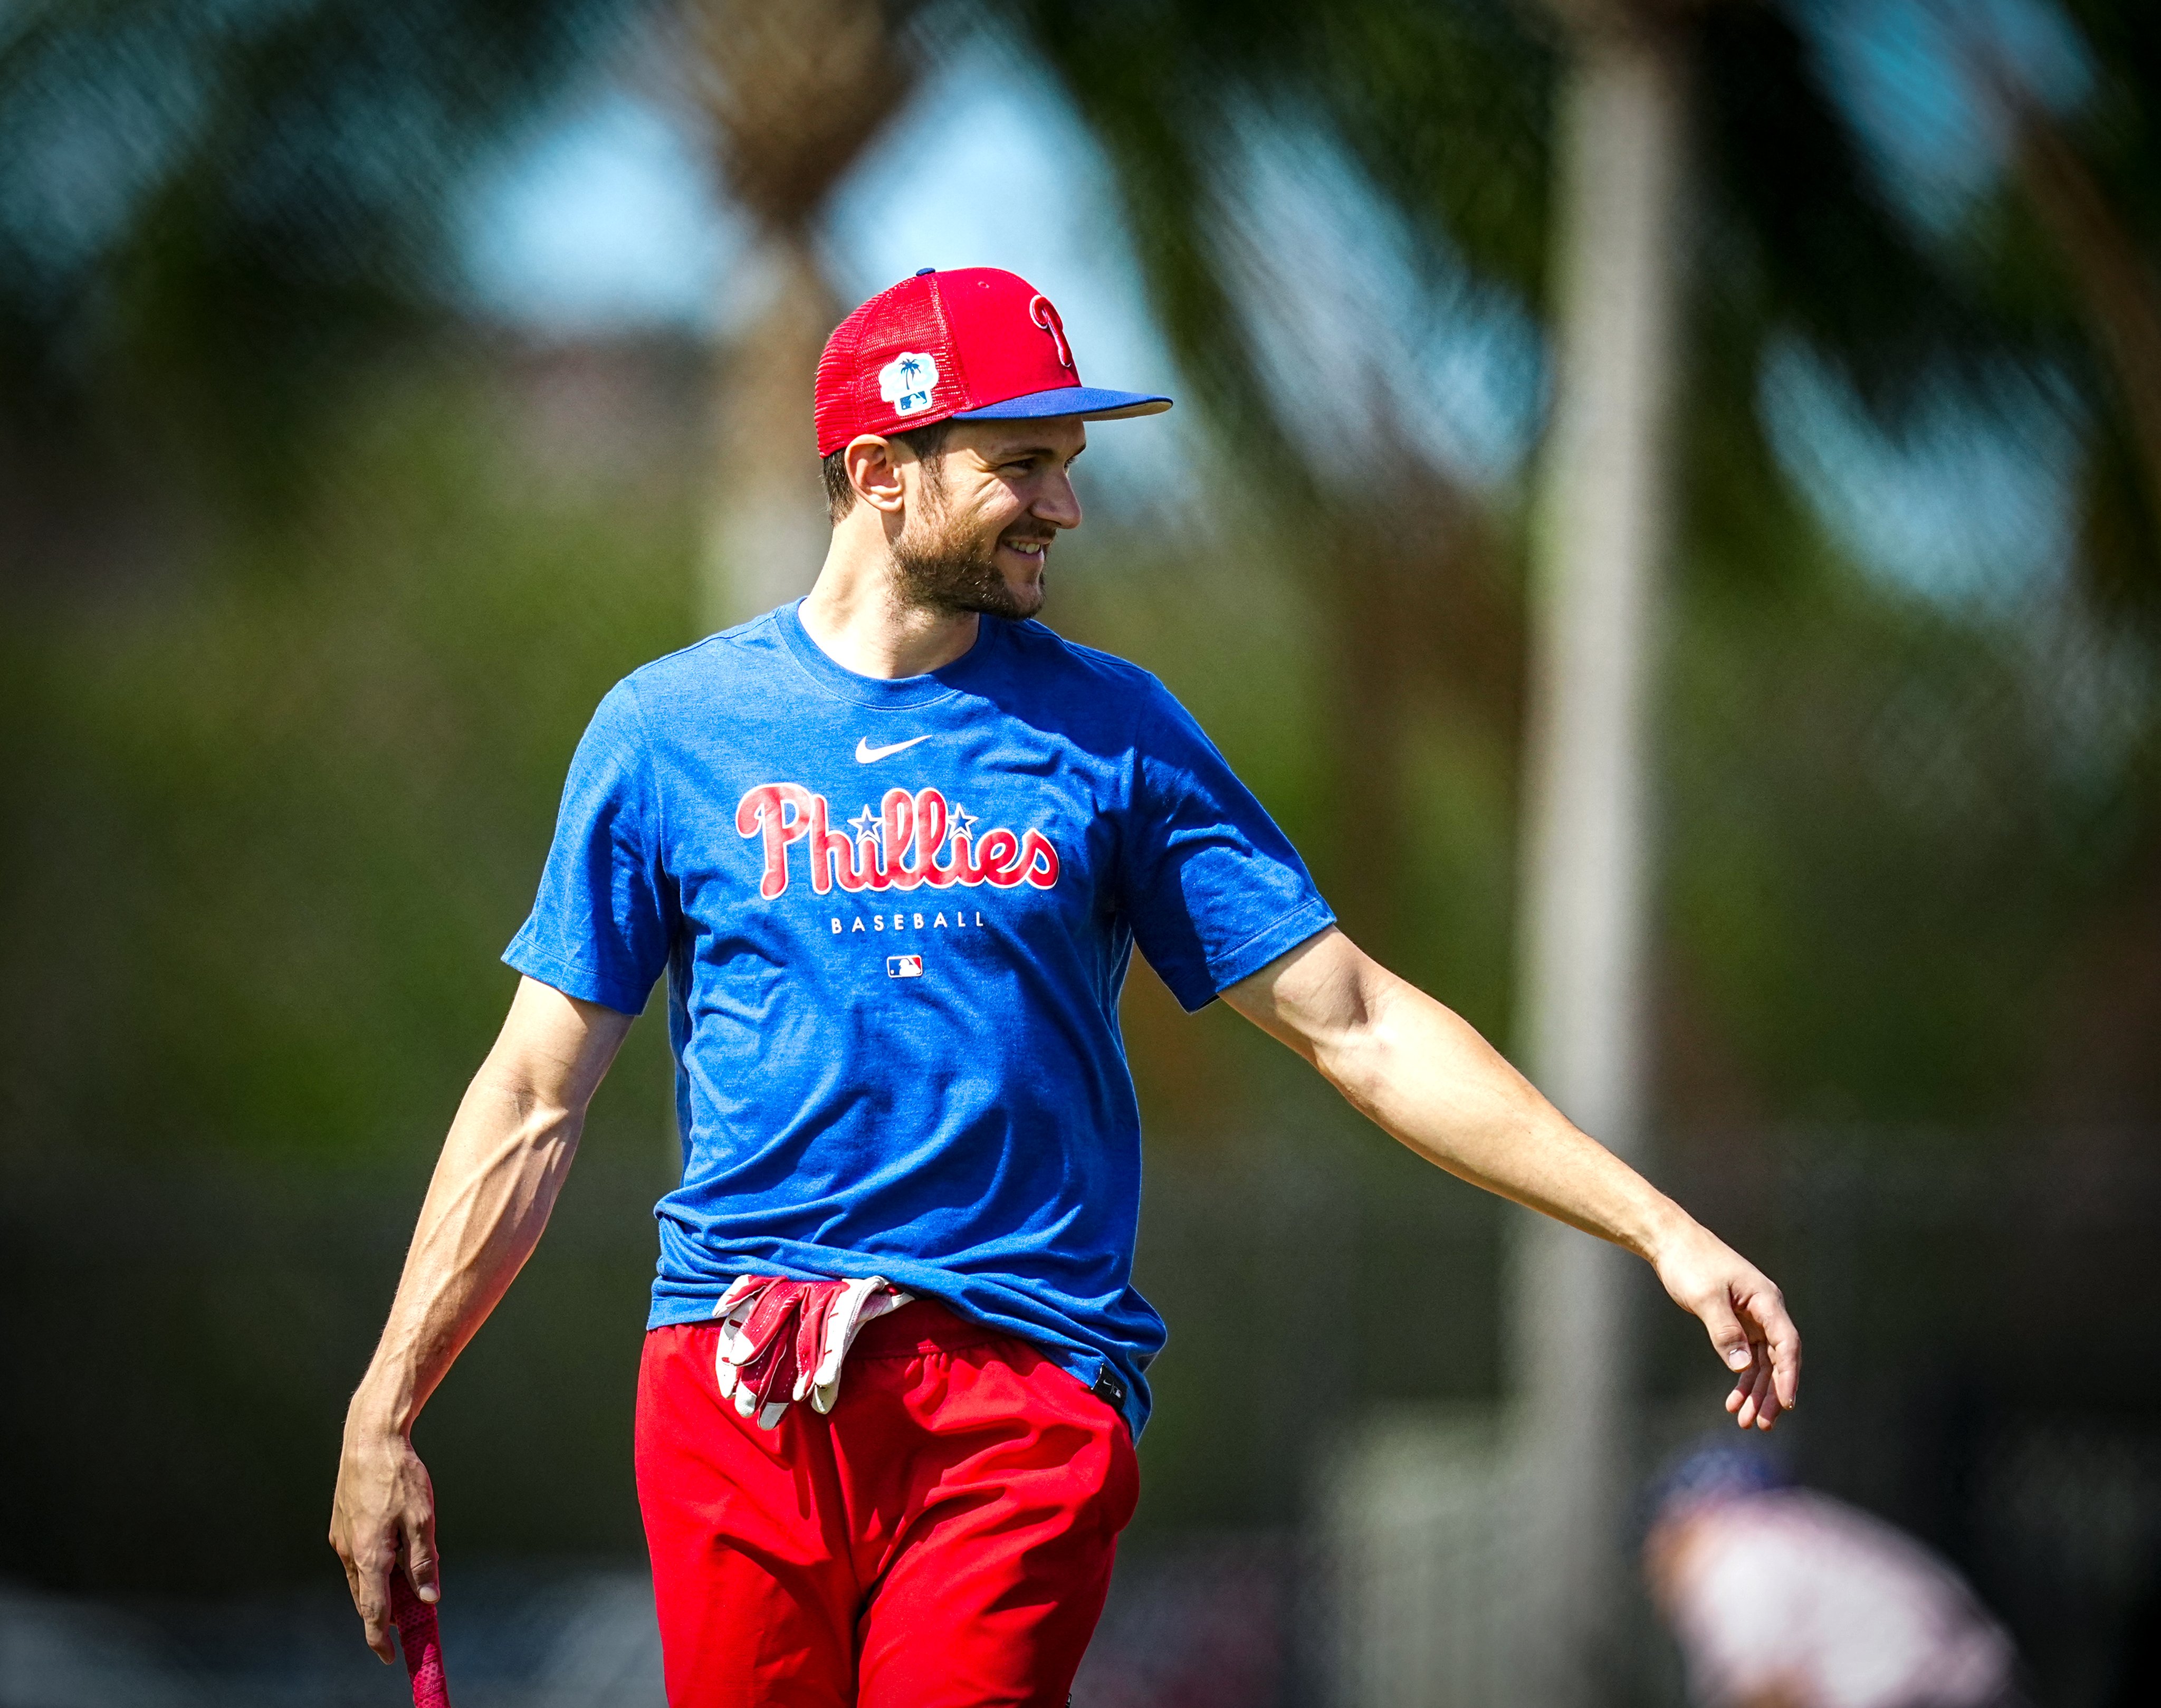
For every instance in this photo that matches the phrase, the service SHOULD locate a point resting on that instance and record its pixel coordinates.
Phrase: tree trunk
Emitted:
(767, 531)
(1420, 623)
(1603, 524)
(796, 93)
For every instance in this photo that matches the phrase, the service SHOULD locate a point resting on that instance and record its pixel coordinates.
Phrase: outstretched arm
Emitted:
(495, 1183)
(1426, 1077)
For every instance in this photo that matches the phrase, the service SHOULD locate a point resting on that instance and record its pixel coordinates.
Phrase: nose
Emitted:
(1058, 503)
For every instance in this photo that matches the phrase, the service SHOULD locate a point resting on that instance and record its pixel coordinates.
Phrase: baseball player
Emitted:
(1782, 1598)
(894, 847)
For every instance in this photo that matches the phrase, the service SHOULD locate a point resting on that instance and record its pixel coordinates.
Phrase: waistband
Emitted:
(907, 1331)
(923, 1325)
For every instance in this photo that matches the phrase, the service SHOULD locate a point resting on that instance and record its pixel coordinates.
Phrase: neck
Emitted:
(858, 622)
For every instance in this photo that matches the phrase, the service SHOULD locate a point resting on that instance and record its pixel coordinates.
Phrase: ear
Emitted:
(873, 466)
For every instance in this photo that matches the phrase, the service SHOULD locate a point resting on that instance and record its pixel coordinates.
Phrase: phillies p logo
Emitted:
(1040, 311)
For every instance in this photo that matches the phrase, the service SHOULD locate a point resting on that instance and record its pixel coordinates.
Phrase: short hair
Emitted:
(926, 442)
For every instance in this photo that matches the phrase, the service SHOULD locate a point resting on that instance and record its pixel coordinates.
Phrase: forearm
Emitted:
(495, 1183)
(502, 1166)
(1425, 1076)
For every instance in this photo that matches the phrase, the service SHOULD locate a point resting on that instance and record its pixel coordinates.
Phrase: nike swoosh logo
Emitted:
(866, 754)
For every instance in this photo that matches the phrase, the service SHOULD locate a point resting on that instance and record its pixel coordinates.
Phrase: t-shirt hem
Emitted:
(573, 980)
(1307, 920)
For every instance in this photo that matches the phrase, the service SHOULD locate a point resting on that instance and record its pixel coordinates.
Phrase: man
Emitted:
(894, 847)
(1784, 1598)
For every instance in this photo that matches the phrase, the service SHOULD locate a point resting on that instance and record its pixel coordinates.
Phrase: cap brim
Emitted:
(1089, 403)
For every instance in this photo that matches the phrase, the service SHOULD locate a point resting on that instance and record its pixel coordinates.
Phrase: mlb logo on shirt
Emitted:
(903, 967)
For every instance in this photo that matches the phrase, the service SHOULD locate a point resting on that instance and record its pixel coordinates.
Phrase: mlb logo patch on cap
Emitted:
(907, 381)
(975, 344)
(903, 967)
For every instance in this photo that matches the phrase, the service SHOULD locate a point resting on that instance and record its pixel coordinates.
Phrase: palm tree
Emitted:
(2081, 188)
(794, 93)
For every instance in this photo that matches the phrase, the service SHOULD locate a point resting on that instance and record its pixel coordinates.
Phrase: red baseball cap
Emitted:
(975, 344)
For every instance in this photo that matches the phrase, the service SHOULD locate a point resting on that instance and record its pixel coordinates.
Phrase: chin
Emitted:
(1023, 590)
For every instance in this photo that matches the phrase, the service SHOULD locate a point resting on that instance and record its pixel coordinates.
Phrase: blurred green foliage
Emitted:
(276, 815)
(1892, 832)
(276, 808)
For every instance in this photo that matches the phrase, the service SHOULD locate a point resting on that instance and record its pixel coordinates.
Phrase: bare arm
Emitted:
(504, 1161)
(1426, 1078)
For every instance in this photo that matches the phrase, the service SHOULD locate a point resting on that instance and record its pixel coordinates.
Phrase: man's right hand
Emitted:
(502, 1166)
(383, 1519)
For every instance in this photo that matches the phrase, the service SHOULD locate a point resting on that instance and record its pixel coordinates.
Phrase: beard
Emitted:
(944, 566)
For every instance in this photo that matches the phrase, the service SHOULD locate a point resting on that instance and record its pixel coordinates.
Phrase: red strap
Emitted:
(770, 1371)
(810, 1331)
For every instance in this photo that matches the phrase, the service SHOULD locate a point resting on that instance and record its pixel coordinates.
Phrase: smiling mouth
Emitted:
(1037, 549)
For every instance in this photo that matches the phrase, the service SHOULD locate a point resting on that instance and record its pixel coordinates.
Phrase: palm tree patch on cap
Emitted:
(906, 382)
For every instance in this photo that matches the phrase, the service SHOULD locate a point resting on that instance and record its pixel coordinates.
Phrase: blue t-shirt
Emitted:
(896, 916)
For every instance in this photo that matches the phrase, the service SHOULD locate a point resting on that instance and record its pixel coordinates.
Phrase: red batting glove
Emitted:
(785, 1340)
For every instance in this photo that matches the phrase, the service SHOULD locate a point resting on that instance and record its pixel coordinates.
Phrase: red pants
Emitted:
(942, 1539)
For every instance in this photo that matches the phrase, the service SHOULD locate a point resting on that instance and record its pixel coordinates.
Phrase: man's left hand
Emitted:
(1745, 1315)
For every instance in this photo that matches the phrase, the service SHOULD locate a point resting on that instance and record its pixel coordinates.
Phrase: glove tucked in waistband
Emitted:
(784, 1341)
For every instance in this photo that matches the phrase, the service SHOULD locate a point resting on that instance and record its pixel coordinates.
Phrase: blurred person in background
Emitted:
(1782, 1598)
(910, 1138)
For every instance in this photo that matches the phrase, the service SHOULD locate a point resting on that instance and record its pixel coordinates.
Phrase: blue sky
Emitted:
(608, 220)
(1908, 71)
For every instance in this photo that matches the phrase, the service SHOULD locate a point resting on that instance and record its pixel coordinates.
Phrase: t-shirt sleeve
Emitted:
(1214, 890)
(601, 926)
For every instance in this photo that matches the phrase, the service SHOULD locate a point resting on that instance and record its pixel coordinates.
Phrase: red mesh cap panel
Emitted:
(890, 366)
